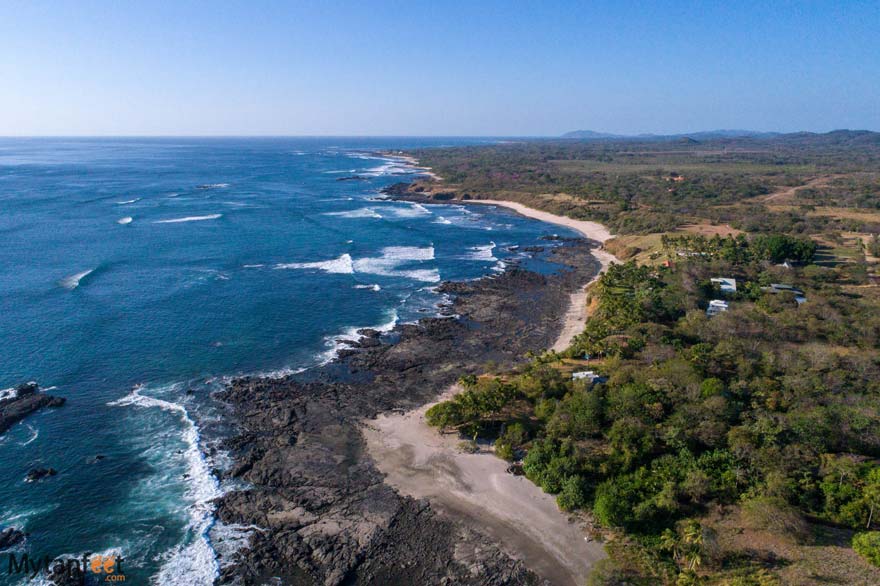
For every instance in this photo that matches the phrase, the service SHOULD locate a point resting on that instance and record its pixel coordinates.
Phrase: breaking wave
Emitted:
(194, 562)
(125, 220)
(386, 265)
(359, 213)
(189, 219)
(482, 253)
(72, 282)
(341, 265)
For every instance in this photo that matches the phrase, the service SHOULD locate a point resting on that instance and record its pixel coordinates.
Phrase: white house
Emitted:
(725, 284)
(716, 306)
(588, 375)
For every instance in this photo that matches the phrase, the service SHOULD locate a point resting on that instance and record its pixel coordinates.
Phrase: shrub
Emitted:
(867, 545)
(573, 495)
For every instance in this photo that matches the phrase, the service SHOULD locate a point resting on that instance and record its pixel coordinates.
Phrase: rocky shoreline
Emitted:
(325, 514)
(26, 399)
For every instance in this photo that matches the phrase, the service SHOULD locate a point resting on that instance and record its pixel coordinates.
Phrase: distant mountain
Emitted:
(590, 134)
(702, 135)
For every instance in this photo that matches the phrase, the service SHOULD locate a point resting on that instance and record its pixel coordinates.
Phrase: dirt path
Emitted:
(789, 192)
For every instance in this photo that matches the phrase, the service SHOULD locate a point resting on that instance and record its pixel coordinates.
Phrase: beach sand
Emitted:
(576, 317)
(421, 462)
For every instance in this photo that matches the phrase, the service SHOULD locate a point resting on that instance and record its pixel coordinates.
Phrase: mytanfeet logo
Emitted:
(88, 569)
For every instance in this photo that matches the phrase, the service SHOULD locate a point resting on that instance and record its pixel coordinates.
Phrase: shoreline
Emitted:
(575, 319)
(423, 463)
(325, 510)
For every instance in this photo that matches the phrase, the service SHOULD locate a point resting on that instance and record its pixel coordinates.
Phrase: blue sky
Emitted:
(436, 68)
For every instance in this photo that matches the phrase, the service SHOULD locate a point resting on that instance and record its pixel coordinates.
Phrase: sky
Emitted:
(473, 68)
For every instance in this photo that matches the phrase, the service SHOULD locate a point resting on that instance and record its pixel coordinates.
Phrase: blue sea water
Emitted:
(134, 270)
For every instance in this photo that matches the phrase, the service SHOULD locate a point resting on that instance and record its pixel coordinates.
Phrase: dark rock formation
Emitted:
(325, 513)
(27, 399)
(10, 537)
(35, 474)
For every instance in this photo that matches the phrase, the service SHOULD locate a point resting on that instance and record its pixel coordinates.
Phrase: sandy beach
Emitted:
(422, 463)
(576, 317)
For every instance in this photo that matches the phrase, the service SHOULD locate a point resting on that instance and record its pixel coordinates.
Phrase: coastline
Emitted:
(325, 511)
(575, 319)
(421, 462)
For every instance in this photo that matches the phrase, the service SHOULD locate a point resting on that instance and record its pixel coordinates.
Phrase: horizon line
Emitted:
(610, 135)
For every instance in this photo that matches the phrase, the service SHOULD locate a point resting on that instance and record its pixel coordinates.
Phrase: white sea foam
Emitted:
(351, 334)
(373, 287)
(128, 201)
(392, 257)
(35, 433)
(189, 219)
(212, 186)
(9, 393)
(386, 265)
(257, 266)
(442, 220)
(411, 211)
(72, 282)
(341, 265)
(125, 220)
(359, 213)
(193, 562)
(482, 253)
(228, 539)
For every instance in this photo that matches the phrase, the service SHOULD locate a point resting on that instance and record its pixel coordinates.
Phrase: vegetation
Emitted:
(658, 186)
(764, 419)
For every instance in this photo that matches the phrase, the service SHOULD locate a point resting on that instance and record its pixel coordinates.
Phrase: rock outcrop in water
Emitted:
(325, 514)
(25, 400)
(10, 537)
(36, 474)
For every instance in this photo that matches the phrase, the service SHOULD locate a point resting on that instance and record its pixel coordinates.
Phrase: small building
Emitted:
(725, 284)
(716, 306)
(781, 288)
(589, 376)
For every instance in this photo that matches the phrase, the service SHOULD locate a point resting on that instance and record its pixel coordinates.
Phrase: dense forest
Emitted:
(738, 448)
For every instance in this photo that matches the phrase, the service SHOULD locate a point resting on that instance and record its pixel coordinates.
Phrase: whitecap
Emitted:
(128, 201)
(412, 211)
(9, 393)
(359, 213)
(442, 220)
(72, 282)
(373, 287)
(482, 253)
(257, 266)
(403, 253)
(341, 265)
(212, 186)
(189, 219)
(194, 562)
(386, 265)
(125, 220)
(393, 256)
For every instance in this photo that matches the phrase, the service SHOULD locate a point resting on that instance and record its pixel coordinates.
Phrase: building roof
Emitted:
(726, 284)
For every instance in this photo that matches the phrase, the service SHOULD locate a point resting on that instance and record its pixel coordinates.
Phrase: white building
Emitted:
(716, 306)
(725, 284)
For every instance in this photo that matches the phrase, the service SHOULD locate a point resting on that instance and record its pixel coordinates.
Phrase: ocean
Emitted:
(137, 275)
